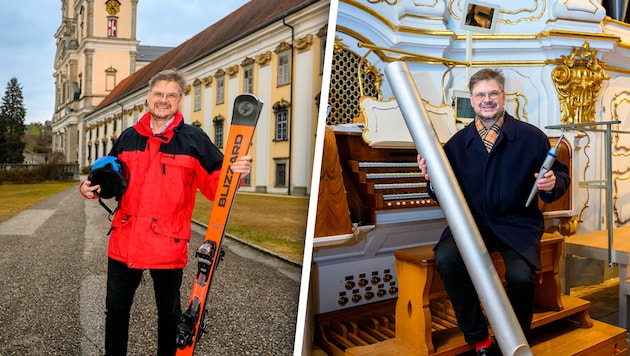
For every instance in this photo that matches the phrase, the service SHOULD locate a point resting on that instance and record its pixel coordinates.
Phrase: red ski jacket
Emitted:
(152, 225)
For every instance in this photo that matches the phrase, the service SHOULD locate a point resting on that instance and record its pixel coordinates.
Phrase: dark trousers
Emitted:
(520, 289)
(122, 283)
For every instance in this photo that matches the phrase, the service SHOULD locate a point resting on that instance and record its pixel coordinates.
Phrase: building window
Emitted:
(218, 122)
(197, 98)
(110, 78)
(112, 27)
(284, 68)
(248, 79)
(281, 113)
(282, 125)
(281, 173)
(247, 181)
(220, 90)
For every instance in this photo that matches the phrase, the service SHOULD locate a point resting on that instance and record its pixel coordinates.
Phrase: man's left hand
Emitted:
(547, 182)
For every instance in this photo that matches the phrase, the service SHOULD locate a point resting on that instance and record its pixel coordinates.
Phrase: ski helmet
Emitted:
(111, 174)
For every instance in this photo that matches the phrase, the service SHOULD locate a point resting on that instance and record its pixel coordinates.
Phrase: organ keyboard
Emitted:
(379, 178)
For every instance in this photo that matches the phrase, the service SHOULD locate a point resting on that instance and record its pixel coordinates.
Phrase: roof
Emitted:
(249, 18)
(150, 53)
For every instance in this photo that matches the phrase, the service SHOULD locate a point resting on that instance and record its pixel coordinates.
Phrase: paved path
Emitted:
(52, 278)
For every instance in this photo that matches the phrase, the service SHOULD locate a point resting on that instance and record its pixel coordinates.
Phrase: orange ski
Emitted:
(245, 115)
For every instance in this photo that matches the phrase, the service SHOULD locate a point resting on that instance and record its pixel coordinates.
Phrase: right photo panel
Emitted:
(473, 188)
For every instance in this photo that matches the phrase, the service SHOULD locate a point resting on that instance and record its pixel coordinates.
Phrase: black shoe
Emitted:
(485, 352)
(490, 351)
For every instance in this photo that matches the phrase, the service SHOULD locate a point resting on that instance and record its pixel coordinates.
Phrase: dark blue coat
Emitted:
(496, 185)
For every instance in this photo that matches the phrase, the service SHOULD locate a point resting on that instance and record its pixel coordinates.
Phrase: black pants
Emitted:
(122, 283)
(520, 289)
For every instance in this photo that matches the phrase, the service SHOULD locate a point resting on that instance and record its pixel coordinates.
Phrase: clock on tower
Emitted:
(112, 7)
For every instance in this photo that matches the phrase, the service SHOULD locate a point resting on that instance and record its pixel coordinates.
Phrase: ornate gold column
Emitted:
(578, 81)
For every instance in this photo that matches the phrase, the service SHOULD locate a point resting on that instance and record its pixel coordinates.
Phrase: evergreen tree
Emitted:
(12, 128)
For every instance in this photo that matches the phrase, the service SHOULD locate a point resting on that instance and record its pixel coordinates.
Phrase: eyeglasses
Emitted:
(168, 96)
(492, 95)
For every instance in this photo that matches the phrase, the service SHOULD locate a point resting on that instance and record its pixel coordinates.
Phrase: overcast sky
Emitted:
(27, 41)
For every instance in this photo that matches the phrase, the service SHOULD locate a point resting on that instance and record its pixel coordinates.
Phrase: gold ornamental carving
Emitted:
(248, 61)
(578, 81)
(304, 42)
(233, 70)
(283, 46)
(263, 59)
(207, 80)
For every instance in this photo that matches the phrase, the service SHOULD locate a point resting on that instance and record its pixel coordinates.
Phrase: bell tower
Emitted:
(96, 49)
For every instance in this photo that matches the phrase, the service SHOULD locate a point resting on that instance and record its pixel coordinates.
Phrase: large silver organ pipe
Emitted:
(467, 237)
(617, 9)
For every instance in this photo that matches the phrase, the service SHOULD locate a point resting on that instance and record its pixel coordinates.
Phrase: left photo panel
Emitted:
(180, 144)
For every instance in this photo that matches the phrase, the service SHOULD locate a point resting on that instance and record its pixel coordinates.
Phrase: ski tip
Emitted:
(247, 108)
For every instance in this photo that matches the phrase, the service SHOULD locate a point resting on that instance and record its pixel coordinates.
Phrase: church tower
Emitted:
(96, 49)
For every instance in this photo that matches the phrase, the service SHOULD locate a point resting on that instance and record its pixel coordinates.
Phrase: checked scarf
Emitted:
(489, 136)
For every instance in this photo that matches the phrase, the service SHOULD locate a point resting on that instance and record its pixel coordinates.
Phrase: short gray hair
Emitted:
(169, 75)
(487, 74)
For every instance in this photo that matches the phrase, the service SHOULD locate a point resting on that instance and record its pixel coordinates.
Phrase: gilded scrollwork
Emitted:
(587, 164)
(618, 218)
(578, 81)
(620, 99)
(388, 2)
(520, 105)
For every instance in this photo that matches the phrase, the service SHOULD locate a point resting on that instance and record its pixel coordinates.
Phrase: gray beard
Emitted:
(159, 117)
(490, 119)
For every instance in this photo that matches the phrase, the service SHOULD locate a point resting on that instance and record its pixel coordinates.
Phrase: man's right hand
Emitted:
(422, 164)
(88, 191)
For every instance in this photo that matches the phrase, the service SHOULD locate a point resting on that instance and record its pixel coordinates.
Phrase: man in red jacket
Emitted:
(167, 161)
(496, 160)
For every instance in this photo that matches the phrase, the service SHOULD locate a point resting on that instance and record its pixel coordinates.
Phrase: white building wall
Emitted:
(302, 107)
(263, 177)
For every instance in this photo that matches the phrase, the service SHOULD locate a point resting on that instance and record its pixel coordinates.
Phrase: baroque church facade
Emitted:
(274, 52)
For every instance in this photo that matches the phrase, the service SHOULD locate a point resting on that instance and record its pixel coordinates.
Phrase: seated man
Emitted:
(496, 160)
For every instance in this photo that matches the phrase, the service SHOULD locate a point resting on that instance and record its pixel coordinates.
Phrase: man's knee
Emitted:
(520, 277)
(446, 256)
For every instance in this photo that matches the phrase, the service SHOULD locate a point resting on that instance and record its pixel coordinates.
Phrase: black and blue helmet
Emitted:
(111, 174)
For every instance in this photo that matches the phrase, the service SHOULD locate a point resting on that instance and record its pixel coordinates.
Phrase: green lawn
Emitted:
(17, 197)
(277, 223)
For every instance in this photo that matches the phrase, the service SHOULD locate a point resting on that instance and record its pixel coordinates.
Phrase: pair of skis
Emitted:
(245, 115)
